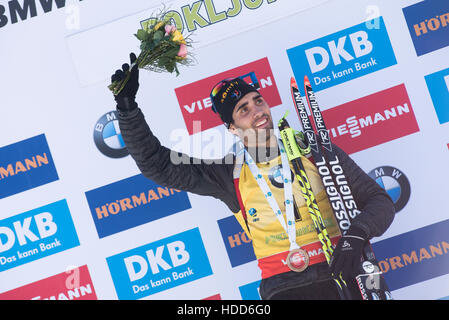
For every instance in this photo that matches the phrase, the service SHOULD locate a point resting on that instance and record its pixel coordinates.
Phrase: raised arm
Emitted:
(211, 177)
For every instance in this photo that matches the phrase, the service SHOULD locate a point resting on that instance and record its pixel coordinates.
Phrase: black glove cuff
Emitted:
(357, 232)
(126, 104)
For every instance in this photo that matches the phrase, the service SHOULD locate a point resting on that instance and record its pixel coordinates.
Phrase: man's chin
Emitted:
(265, 132)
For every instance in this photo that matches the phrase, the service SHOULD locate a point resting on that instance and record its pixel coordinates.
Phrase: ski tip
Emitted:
(293, 82)
(306, 81)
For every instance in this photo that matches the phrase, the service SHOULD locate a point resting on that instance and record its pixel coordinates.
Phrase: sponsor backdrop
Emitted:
(79, 221)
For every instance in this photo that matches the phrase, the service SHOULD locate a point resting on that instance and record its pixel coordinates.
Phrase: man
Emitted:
(239, 185)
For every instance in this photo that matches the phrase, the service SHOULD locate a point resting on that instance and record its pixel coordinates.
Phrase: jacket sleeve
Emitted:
(173, 169)
(376, 206)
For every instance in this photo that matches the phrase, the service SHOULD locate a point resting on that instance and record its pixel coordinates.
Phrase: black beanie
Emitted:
(225, 96)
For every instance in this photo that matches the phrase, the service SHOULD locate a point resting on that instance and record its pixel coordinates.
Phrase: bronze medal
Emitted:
(297, 260)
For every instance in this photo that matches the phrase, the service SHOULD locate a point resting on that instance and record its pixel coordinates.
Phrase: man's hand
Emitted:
(126, 98)
(348, 254)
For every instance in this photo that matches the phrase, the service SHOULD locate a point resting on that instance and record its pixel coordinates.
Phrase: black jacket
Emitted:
(215, 177)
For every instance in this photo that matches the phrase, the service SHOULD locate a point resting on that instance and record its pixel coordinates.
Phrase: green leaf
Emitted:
(141, 34)
(158, 35)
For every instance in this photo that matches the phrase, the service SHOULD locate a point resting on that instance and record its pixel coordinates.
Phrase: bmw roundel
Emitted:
(107, 136)
(395, 183)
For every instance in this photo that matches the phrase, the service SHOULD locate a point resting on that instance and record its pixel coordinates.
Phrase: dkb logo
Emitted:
(342, 56)
(160, 265)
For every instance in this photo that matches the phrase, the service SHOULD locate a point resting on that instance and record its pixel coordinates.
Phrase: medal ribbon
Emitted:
(289, 227)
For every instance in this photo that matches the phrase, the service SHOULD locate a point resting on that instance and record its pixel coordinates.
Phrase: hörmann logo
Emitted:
(194, 98)
(160, 265)
(25, 165)
(238, 246)
(342, 56)
(428, 24)
(414, 256)
(132, 202)
(353, 127)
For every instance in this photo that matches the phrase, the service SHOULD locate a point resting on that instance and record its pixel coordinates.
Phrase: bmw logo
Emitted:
(395, 183)
(107, 136)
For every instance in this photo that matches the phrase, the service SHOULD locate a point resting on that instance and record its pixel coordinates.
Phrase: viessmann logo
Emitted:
(160, 265)
(194, 98)
(25, 165)
(372, 120)
(132, 202)
(73, 284)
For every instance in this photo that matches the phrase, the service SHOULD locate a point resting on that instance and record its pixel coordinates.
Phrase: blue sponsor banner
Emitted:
(414, 256)
(159, 265)
(342, 56)
(36, 234)
(428, 24)
(132, 202)
(25, 165)
(238, 245)
(438, 85)
(250, 291)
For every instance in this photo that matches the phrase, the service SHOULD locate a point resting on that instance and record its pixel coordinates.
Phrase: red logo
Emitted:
(372, 120)
(74, 284)
(194, 98)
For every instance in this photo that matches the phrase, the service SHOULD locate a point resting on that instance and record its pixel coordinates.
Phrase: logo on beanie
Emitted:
(235, 95)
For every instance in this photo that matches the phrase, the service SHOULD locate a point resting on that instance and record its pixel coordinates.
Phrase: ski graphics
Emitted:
(320, 161)
(370, 282)
(294, 154)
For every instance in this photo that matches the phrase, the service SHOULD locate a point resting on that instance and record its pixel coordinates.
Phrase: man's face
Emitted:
(252, 120)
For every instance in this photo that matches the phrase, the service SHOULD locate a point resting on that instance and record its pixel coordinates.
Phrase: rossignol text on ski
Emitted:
(370, 281)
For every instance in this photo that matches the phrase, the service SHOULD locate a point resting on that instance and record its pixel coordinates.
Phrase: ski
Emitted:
(320, 161)
(294, 153)
(370, 281)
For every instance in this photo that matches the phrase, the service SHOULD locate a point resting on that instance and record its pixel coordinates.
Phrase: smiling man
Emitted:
(251, 183)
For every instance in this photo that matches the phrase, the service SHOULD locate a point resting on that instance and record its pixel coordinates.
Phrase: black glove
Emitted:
(126, 99)
(348, 254)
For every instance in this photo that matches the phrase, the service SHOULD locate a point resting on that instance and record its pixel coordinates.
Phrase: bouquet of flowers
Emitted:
(162, 46)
